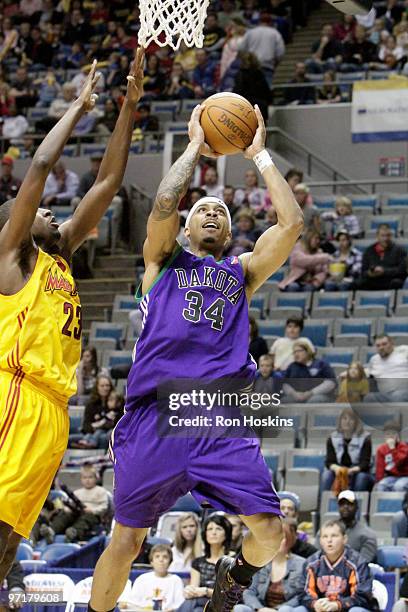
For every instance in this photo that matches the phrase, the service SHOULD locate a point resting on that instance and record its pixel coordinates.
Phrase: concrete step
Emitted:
(93, 297)
(96, 312)
(114, 272)
(117, 285)
(117, 261)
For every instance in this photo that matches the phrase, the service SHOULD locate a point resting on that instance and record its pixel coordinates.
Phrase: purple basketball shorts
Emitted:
(152, 472)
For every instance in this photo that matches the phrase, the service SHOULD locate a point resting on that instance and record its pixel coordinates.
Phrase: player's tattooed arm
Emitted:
(275, 245)
(163, 222)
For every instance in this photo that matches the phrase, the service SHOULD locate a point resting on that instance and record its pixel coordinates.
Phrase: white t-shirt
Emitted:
(393, 366)
(282, 350)
(179, 564)
(148, 586)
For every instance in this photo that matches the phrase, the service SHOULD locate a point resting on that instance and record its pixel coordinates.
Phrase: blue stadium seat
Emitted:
(258, 301)
(371, 223)
(324, 203)
(271, 328)
(394, 326)
(350, 77)
(186, 503)
(24, 552)
(373, 303)
(113, 333)
(364, 203)
(391, 557)
(338, 355)
(56, 551)
(277, 276)
(356, 331)
(113, 359)
(318, 331)
(397, 202)
(336, 304)
(154, 540)
(401, 308)
(92, 149)
(75, 422)
(284, 304)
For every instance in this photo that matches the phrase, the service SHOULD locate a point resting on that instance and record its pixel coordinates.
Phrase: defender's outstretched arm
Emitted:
(110, 176)
(274, 246)
(17, 230)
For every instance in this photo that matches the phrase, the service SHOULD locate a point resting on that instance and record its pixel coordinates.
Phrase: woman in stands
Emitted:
(276, 586)
(348, 455)
(217, 535)
(350, 259)
(96, 423)
(308, 265)
(87, 371)
(187, 543)
(329, 92)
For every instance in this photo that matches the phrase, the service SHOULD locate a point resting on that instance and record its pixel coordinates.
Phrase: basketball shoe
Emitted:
(227, 593)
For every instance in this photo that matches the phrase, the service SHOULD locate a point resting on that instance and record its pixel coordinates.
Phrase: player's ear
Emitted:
(187, 232)
(228, 240)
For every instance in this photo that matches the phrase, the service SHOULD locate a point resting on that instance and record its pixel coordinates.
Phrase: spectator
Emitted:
(392, 11)
(77, 28)
(358, 52)
(95, 415)
(187, 544)
(58, 107)
(5, 99)
(301, 547)
(308, 265)
(329, 92)
(22, 89)
(204, 80)
(88, 370)
(327, 52)
(250, 82)
(354, 386)
(228, 12)
(40, 53)
(399, 525)
(308, 379)
(237, 532)
(282, 348)
(389, 368)
(211, 184)
(244, 233)
(359, 537)
(257, 344)
(289, 504)
(118, 73)
(214, 35)
(384, 263)
(336, 577)
(378, 32)
(402, 604)
(236, 31)
(346, 264)
(95, 503)
(348, 454)
(29, 8)
(14, 126)
(345, 30)
(390, 46)
(158, 587)
(60, 187)
(302, 93)
(252, 196)
(311, 213)
(343, 218)
(228, 195)
(216, 535)
(266, 43)
(276, 586)
(264, 381)
(293, 177)
(49, 89)
(391, 460)
(145, 121)
(107, 122)
(9, 184)
(179, 87)
(155, 81)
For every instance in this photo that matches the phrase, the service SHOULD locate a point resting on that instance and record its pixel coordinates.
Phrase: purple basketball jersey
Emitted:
(195, 325)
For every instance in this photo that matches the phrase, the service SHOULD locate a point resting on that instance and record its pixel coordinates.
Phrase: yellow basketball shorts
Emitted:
(33, 438)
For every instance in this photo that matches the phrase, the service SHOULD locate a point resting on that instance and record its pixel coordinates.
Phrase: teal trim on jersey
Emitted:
(139, 295)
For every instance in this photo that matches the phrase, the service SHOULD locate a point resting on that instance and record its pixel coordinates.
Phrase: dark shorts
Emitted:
(152, 472)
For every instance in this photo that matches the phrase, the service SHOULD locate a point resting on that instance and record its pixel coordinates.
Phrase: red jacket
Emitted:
(392, 462)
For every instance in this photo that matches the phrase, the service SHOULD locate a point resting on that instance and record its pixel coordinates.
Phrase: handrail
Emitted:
(312, 156)
(372, 182)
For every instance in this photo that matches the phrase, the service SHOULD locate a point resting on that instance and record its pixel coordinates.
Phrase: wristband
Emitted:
(262, 160)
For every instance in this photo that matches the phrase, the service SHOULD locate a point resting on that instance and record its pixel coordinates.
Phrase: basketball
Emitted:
(229, 123)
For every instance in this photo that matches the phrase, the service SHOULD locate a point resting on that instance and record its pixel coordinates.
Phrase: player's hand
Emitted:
(135, 78)
(88, 97)
(196, 133)
(258, 143)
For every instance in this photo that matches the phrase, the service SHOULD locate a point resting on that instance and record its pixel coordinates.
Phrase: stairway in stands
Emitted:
(113, 274)
(300, 48)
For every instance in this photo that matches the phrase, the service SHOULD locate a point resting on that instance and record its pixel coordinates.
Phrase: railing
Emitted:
(141, 204)
(279, 92)
(374, 183)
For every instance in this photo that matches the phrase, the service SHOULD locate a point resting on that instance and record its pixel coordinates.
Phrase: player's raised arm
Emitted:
(274, 246)
(110, 176)
(163, 222)
(22, 215)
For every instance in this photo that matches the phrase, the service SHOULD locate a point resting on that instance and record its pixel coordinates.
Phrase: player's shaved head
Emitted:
(5, 210)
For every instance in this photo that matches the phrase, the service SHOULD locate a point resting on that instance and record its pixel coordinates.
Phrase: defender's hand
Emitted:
(135, 78)
(88, 97)
(258, 143)
(196, 133)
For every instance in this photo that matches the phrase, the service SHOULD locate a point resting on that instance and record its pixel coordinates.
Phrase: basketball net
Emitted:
(169, 22)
